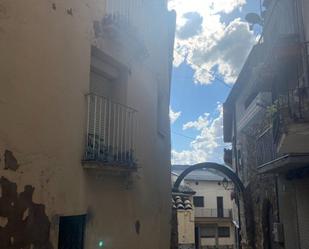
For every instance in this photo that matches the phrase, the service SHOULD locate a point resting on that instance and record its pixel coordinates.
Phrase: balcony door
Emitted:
(108, 77)
(220, 209)
(197, 237)
(100, 84)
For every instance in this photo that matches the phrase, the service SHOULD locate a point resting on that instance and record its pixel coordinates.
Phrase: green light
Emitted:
(101, 243)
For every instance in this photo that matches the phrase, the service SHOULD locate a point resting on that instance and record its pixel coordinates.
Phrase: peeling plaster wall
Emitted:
(44, 68)
(24, 223)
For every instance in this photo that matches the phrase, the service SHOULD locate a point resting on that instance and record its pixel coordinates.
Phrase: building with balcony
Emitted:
(85, 139)
(214, 224)
(266, 121)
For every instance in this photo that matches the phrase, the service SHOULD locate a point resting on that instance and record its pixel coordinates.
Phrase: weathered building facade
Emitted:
(84, 133)
(266, 120)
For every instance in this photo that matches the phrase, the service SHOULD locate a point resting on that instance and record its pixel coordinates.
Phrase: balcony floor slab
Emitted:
(285, 163)
(116, 167)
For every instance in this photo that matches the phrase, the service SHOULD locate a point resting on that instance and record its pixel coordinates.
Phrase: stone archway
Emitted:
(227, 171)
(209, 165)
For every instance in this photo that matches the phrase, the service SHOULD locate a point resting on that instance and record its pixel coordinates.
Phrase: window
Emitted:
(198, 201)
(208, 232)
(223, 232)
(108, 77)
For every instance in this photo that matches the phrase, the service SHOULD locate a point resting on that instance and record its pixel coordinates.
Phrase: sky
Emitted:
(212, 43)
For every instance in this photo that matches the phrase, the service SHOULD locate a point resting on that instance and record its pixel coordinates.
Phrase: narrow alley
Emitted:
(154, 124)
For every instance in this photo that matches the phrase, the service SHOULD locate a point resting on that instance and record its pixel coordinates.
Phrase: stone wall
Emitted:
(260, 201)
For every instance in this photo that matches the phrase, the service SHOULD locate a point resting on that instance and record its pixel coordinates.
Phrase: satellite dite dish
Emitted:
(252, 19)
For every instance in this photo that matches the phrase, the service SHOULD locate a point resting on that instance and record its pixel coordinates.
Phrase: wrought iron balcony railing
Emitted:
(254, 110)
(289, 108)
(265, 147)
(131, 12)
(201, 212)
(294, 105)
(110, 132)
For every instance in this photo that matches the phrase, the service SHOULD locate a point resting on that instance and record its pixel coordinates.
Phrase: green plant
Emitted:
(272, 110)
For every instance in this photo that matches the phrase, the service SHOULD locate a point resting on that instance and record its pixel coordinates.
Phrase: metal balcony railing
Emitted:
(255, 109)
(110, 132)
(265, 147)
(130, 12)
(212, 213)
(289, 108)
(294, 104)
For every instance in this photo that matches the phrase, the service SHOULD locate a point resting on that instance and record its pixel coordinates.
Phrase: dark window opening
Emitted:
(71, 232)
(198, 201)
(223, 232)
(208, 232)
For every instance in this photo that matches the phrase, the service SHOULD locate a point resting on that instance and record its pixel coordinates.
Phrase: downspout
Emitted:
(302, 35)
(277, 200)
(234, 140)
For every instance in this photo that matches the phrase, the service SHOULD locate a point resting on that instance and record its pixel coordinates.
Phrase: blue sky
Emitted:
(212, 43)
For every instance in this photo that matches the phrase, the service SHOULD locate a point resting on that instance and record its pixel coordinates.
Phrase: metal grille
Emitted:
(265, 147)
(212, 213)
(110, 131)
(131, 12)
(295, 104)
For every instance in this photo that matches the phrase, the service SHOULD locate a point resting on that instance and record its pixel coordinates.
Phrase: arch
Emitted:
(209, 165)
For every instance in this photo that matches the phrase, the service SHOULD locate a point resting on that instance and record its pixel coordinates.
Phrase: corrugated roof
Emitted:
(198, 175)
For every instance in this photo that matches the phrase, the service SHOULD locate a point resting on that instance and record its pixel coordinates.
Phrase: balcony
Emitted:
(269, 160)
(123, 25)
(265, 147)
(110, 135)
(126, 24)
(294, 105)
(255, 110)
(131, 11)
(291, 134)
(200, 212)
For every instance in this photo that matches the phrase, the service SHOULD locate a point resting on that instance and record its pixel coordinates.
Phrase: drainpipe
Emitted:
(234, 140)
(277, 199)
(302, 34)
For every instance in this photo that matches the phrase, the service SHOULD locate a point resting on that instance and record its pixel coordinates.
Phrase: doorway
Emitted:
(197, 237)
(220, 206)
(267, 223)
(71, 232)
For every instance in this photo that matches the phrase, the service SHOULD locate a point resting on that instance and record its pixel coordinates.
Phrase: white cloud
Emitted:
(206, 43)
(174, 116)
(208, 144)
